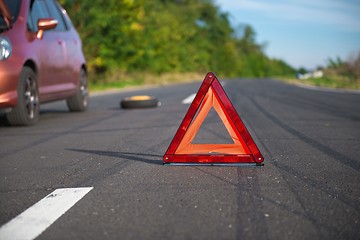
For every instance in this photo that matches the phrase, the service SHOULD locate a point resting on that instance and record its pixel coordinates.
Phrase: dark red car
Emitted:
(41, 60)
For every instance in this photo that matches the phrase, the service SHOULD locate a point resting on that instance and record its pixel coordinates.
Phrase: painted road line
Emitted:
(36, 219)
(189, 99)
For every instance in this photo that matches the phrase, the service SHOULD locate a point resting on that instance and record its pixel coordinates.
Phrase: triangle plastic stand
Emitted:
(242, 152)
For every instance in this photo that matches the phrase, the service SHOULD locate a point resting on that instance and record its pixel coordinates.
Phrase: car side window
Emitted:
(55, 13)
(37, 11)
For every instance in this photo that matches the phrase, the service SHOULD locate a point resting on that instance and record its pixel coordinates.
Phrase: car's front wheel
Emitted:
(80, 100)
(27, 110)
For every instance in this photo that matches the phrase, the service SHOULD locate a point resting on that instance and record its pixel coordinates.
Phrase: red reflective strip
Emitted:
(194, 158)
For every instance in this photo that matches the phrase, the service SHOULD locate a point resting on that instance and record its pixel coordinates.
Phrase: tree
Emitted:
(162, 36)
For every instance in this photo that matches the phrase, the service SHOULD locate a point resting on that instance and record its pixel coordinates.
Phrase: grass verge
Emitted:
(329, 80)
(120, 80)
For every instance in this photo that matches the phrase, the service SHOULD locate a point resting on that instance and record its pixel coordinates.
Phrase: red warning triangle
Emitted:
(181, 149)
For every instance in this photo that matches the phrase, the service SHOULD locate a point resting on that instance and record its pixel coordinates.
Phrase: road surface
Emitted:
(308, 187)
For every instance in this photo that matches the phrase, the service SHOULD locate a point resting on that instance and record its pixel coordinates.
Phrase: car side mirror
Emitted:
(45, 24)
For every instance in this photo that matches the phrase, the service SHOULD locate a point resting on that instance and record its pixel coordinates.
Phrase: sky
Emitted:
(303, 33)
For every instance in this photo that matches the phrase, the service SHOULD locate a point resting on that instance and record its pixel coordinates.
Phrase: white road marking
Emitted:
(36, 219)
(189, 99)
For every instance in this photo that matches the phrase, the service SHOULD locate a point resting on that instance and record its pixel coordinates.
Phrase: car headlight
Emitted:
(5, 48)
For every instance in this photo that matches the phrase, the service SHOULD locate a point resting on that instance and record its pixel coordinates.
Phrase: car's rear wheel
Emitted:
(80, 100)
(27, 110)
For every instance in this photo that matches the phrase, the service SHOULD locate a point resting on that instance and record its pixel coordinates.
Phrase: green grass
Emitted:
(332, 81)
(119, 80)
(101, 86)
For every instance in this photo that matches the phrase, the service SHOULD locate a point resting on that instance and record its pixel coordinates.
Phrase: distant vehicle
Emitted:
(41, 60)
(314, 74)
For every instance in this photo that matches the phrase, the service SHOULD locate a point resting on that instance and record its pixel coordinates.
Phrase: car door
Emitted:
(51, 57)
(66, 81)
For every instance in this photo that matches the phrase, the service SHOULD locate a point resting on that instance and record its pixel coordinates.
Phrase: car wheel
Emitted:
(80, 100)
(27, 110)
(139, 102)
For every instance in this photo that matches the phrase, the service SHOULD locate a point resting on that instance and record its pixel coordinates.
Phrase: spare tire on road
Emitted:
(141, 101)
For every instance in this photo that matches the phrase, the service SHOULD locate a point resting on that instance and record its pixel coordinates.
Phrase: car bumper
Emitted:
(9, 77)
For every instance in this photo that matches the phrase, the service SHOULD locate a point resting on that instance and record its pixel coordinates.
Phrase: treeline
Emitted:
(162, 36)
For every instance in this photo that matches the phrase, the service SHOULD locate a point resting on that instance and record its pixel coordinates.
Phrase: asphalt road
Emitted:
(308, 187)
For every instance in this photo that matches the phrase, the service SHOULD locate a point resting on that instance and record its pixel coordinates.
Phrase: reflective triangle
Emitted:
(182, 150)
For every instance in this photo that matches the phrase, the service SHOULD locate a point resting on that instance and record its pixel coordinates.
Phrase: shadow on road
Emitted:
(126, 155)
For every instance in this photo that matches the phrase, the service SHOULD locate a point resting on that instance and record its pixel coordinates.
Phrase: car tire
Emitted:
(27, 109)
(139, 102)
(80, 100)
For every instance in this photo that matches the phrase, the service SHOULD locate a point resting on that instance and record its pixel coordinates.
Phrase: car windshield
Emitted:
(14, 7)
